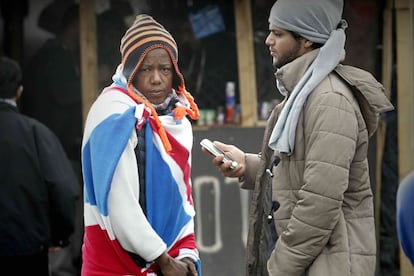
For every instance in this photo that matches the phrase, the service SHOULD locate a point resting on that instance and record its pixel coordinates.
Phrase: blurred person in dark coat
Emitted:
(52, 84)
(53, 96)
(38, 187)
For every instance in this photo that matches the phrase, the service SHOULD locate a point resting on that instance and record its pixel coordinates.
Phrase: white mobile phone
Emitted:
(208, 145)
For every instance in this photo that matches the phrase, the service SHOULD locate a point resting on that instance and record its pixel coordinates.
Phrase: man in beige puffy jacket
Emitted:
(314, 152)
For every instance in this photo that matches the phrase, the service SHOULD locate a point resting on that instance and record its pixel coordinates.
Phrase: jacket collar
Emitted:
(8, 107)
(289, 75)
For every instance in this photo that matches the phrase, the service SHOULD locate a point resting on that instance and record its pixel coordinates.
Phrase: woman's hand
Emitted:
(172, 267)
(192, 270)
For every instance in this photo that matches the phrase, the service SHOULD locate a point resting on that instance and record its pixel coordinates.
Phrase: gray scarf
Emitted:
(318, 21)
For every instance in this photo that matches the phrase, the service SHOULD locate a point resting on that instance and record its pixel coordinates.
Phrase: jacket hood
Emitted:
(369, 93)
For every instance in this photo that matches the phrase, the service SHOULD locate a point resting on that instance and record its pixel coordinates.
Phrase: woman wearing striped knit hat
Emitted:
(136, 159)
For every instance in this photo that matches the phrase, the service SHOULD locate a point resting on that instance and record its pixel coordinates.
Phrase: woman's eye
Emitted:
(166, 70)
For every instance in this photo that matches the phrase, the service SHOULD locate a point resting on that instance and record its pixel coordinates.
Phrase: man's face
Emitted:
(283, 47)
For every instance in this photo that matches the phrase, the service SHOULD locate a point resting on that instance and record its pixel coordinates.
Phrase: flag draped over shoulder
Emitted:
(115, 224)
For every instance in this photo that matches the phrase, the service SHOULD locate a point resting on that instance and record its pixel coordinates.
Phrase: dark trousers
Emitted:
(37, 264)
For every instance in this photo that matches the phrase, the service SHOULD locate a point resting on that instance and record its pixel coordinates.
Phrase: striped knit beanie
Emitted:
(144, 35)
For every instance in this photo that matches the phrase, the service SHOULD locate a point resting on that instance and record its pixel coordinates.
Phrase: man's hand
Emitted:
(233, 153)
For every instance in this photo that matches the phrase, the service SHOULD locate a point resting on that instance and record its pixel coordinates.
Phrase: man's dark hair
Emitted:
(297, 36)
(10, 77)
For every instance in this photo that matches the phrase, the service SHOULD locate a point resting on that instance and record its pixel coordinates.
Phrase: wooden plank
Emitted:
(405, 94)
(246, 62)
(89, 67)
(382, 127)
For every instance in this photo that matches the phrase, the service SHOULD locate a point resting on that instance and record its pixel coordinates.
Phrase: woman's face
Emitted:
(154, 78)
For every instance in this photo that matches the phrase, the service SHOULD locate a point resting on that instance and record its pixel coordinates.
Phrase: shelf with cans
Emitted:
(220, 116)
(230, 113)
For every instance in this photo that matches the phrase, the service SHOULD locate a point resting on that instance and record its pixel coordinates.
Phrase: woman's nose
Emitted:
(156, 76)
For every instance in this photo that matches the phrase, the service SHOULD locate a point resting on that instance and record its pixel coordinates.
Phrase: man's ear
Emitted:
(308, 44)
(19, 92)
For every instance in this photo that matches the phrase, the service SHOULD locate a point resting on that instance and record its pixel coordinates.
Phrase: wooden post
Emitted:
(246, 62)
(89, 67)
(387, 65)
(405, 95)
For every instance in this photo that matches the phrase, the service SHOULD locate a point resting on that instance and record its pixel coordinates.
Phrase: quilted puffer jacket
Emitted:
(325, 222)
